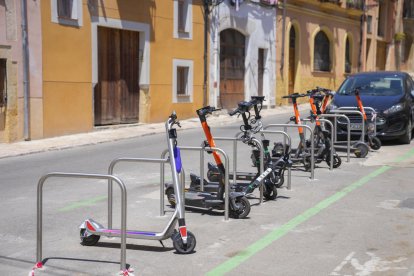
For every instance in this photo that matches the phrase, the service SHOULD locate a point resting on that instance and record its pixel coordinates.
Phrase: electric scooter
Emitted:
(275, 179)
(321, 136)
(239, 204)
(184, 241)
(373, 141)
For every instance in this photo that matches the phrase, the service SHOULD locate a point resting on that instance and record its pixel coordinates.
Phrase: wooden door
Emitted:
(117, 91)
(232, 58)
(381, 55)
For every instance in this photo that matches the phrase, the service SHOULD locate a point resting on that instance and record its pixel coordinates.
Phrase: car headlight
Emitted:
(394, 108)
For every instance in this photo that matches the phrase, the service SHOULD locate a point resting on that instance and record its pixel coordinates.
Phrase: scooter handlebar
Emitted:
(206, 110)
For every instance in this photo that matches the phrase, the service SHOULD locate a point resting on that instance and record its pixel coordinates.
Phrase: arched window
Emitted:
(322, 57)
(348, 63)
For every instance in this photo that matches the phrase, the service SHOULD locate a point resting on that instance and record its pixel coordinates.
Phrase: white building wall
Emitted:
(258, 24)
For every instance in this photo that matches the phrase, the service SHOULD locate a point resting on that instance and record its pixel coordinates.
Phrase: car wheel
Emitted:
(406, 138)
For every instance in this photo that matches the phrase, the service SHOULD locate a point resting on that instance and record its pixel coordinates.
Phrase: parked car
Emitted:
(391, 94)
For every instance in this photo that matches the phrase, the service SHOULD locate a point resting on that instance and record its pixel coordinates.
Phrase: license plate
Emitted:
(356, 126)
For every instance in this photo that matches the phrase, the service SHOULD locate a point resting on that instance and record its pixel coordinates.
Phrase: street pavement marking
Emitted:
(276, 234)
(83, 203)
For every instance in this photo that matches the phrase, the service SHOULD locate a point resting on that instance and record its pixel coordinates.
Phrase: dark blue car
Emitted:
(391, 94)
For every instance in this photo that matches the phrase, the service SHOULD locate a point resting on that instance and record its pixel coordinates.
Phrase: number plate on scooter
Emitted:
(355, 126)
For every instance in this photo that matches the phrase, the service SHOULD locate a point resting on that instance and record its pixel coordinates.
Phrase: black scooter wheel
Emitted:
(337, 161)
(280, 181)
(375, 143)
(182, 248)
(88, 240)
(361, 150)
(244, 208)
(270, 192)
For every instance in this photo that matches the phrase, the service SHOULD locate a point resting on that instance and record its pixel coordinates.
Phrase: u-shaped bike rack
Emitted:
(226, 176)
(84, 176)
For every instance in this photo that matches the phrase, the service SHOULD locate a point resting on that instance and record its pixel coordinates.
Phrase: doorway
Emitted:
(117, 90)
(232, 59)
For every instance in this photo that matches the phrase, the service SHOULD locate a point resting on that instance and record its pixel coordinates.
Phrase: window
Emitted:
(3, 83)
(183, 19)
(182, 81)
(369, 24)
(321, 58)
(67, 12)
(348, 64)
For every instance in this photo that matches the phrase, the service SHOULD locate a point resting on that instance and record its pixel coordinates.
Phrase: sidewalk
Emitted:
(114, 133)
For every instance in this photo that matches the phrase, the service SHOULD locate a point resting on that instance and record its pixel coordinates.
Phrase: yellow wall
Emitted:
(67, 63)
(67, 90)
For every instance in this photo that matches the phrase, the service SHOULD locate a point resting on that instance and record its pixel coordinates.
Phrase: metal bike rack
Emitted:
(337, 111)
(131, 160)
(312, 144)
(367, 108)
(226, 176)
(285, 136)
(235, 140)
(348, 140)
(88, 176)
(332, 142)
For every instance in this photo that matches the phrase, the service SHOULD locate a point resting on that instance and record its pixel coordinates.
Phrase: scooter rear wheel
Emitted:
(361, 150)
(270, 192)
(88, 240)
(375, 143)
(244, 208)
(182, 248)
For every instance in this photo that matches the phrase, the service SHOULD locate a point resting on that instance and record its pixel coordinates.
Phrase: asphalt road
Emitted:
(355, 220)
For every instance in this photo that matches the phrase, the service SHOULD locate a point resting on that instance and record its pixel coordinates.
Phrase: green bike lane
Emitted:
(364, 228)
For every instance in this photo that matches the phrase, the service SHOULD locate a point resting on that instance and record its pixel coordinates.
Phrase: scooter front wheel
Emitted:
(244, 208)
(179, 245)
(88, 240)
(337, 161)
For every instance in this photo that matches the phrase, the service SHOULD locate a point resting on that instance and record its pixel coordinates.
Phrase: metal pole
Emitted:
(111, 172)
(285, 136)
(26, 72)
(121, 185)
(162, 183)
(312, 143)
(202, 168)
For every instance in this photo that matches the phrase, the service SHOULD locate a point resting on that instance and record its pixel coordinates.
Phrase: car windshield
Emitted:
(390, 85)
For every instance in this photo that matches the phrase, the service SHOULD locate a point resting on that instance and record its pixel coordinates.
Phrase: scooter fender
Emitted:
(234, 195)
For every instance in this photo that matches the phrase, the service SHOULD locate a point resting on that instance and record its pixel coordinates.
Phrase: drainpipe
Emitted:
(206, 25)
(282, 61)
(26, 86)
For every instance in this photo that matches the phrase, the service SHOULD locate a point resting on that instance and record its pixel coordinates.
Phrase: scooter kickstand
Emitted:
(162, 243)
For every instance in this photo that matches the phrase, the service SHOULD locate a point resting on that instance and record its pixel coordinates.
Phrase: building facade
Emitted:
(96, 63)
(318, 44)
(242, 52)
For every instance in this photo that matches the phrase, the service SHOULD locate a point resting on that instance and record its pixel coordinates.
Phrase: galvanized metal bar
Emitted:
(362, 138)
(111, 172)
(226, 174)
(312, 142)
(348, 122)
(82, 176)
(285, 136)
(162, 183)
